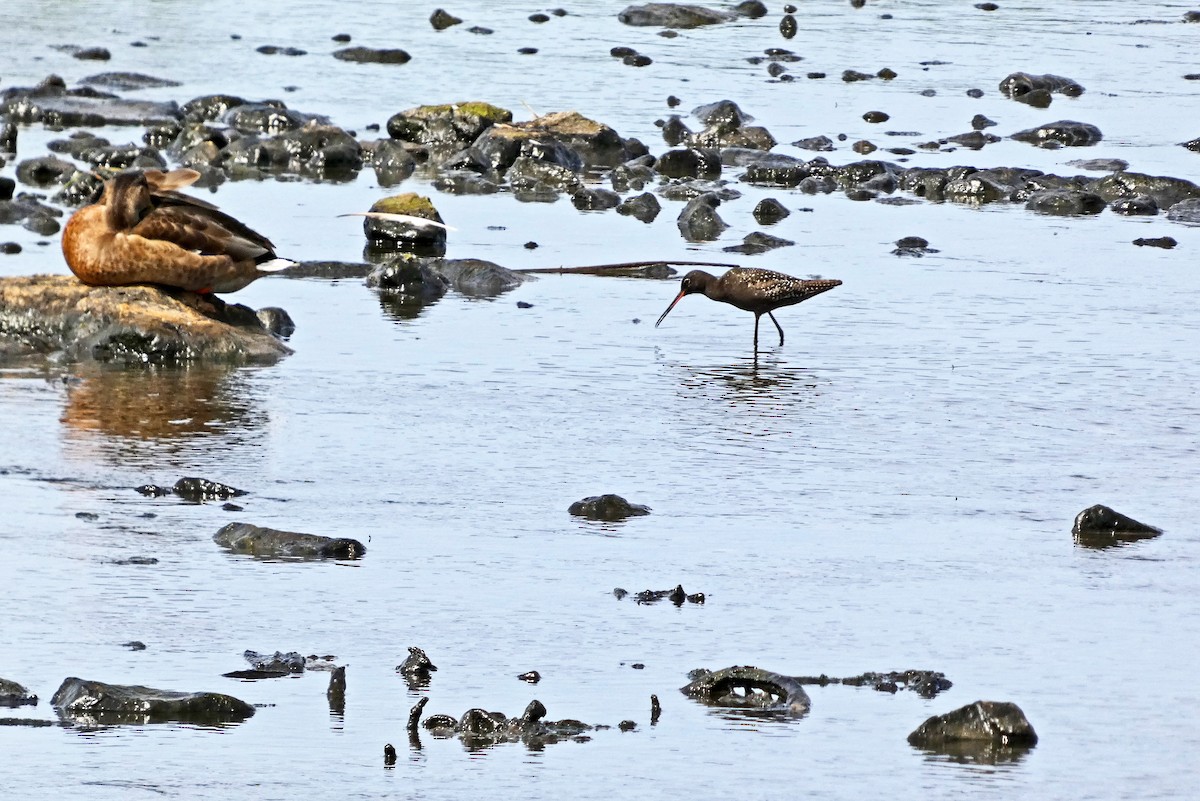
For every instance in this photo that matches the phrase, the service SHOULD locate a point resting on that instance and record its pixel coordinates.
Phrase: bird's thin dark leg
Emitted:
(756, 335)
(778, 327)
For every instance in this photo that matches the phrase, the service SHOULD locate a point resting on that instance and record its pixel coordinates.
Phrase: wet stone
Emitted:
(13, 694)
(371, 55)
(759, 242)
(644, 207)
(749, 688)
(442, 19)
(990, 722)
(876, 116)
(1064, 133)
(1185, 211)
(609, 508)
(94, 702)
(273, 543)
(699, 221)
(199, 490)
(1164, 242)
(770, 211)
(1138, 205)
(1100, 525)
(915, 246)
(92, 54)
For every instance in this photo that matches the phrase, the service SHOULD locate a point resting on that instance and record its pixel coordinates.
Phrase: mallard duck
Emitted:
(144, 231)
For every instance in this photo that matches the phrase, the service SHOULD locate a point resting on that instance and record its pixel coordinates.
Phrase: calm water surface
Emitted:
(892, 489)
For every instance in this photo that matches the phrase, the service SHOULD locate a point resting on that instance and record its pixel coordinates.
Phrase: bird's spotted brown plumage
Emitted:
(144, 231)
(752, 290)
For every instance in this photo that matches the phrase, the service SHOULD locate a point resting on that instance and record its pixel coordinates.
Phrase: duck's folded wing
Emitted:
(198, 226)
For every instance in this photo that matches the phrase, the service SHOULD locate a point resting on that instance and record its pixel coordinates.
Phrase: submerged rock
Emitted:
(13, 694)
(746, 687)
(1065, 202)
(479, 728)
(673, 15)
(1036, 90)
(416, 667)
(991, 723)
(1099, 526)
(373, 55)
(476, 277)
(1064, 133)
(607, 507)
(199, 490)
(51, 314)
(273, 543)
(94, 702)
(699, 221)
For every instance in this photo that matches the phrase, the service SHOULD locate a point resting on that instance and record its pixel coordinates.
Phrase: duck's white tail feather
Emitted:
(275, 265)
(404, 218)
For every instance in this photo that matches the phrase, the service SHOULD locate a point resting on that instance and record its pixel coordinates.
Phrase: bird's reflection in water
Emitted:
(763, 383)
(121, 413)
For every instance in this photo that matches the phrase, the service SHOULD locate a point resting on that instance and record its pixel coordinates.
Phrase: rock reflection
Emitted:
(976, 753)
(130, 406)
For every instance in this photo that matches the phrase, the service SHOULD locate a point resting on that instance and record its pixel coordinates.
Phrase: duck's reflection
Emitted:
(121, 410)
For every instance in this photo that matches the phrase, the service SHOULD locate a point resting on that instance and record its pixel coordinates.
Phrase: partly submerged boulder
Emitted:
(747, 687)
(273, 543)
(608, 508)
(53, 314)
(997, 723)
(1100, 526)
(95, 702)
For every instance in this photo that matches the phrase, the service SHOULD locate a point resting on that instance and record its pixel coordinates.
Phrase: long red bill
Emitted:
(678, 298)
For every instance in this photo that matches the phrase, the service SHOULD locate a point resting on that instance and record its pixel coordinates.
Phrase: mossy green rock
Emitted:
(447, 125)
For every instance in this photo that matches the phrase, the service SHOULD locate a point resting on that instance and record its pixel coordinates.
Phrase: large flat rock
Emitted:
(52, 314)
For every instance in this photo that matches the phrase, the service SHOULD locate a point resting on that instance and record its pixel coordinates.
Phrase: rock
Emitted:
(476, 277)
(672, 15)
(272, 543)
(990, 723)
(1185, 211)
(277, 321)
(199, 490)
(127, 81)
(1100, 526)
(1064, 133)
(452, 125)
(52, 104)
(442, 19)
(1020, 85)
(13, 694)
(749, 688)
(278, 662)
(609, 508)
(417, 666)
(332, 270)
(385, 237)
(819, 143)
(93, 703)
(595, 199)
(776, 169)
(479, 728)
(699, 221)
(407, 283)
(530, 677)
(134, 324)
(391, 159)
(691, 163)
(45, 171)
(644, 207)
(1101, 165)
(1065, 202)
(759, 242)
(372, 55)
(676, 596)
(1165, 190)
(336, 692)
(1138, 205)
(770, 211)
(1164, 242)
(913, 246)
(596, 144)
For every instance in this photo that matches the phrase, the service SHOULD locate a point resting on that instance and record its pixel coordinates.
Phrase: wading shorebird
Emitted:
(144, 231)
(752, 290)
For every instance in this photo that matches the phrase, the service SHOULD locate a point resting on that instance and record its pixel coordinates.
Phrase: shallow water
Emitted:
(892, 489)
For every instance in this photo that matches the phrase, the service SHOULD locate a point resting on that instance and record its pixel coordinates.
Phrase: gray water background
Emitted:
(894, 488)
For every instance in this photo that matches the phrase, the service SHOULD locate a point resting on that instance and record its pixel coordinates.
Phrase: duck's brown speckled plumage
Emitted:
(143, 231)
(752, 290)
